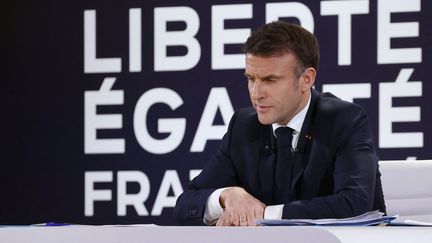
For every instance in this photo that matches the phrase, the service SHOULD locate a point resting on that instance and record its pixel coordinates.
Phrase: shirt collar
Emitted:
(296, 122)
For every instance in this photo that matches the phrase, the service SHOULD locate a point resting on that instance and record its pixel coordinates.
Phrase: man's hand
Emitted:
(240, 208)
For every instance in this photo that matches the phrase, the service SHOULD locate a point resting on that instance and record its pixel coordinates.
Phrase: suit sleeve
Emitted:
(354, 165)
(219, 172)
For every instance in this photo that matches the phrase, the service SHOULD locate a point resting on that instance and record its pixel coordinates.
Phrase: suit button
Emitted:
(192, 212)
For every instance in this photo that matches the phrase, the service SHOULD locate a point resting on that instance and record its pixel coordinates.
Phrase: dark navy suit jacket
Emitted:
(334, 168)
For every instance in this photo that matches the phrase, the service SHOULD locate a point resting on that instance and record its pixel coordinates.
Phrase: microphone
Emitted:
(269, 144)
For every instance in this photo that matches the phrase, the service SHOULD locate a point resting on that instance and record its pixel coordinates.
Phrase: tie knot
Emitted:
(284, 136)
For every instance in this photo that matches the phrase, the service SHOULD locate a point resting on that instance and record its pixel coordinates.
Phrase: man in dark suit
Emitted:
(297, 153)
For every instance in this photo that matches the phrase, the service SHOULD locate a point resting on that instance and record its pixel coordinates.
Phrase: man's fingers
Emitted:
(241, 208)
(236, 221)
(221, 222)
(228, 219)
(243, 220)
(259, 212)
(252, 216)
(251, 221)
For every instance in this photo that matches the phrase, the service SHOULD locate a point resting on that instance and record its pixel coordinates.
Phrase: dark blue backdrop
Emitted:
(57, 163)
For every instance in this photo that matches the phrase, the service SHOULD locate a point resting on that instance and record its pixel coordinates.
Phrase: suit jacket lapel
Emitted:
(267, 159)
(301, 154)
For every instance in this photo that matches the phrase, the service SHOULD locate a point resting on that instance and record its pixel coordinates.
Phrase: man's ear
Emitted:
(308, 77)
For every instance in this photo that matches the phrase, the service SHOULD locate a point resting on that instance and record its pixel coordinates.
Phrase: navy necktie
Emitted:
(282, 179)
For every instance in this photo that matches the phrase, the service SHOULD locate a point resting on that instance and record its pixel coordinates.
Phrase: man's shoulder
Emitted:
(337, 123)
(246, 117)
(334, 118)
(328, 102)
(245, 121)
(247, 113)
(329, 106)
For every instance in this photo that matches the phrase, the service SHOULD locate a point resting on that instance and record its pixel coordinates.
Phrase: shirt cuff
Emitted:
(213, 209)
(273, 212)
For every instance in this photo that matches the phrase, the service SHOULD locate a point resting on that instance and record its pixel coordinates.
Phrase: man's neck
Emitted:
(297, 121)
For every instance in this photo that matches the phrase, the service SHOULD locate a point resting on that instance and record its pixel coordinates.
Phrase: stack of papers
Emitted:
(409, 222)
(369, 218)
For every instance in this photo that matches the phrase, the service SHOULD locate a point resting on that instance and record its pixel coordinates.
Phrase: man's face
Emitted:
(277, 94)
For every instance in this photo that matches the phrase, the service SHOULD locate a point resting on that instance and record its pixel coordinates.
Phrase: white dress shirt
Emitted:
(213, 209)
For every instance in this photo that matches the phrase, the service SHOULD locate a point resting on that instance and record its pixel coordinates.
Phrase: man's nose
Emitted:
(257, 90)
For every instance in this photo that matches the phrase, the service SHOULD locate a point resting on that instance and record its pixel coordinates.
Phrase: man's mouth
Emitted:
(262, 108)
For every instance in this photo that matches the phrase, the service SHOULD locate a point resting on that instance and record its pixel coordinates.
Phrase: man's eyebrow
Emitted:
(271, 76)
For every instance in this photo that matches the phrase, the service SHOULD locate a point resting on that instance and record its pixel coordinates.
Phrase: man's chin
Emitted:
(264, 120)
